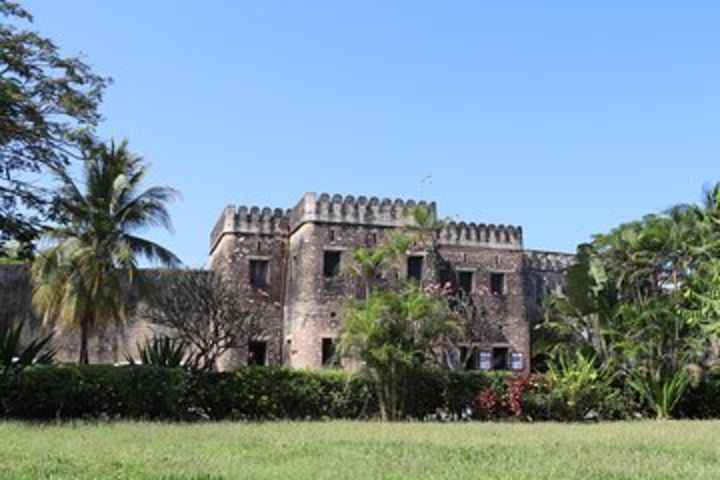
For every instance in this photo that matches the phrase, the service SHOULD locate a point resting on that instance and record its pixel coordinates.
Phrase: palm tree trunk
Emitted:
(85, 326)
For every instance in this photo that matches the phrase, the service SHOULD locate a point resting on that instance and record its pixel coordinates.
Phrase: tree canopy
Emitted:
(82, 279)
(644, 300)
(48, 112)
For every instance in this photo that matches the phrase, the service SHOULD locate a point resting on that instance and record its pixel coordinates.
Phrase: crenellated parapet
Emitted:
(372, 211)
(486, 235)
(250, 220)
(548, 261)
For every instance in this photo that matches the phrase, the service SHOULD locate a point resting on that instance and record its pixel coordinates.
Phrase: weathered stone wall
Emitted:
(545, 274)
(506, 323)
(314, 303)
(107, 345)
(15, 295)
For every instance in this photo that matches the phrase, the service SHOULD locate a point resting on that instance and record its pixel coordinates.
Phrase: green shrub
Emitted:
(15, 355)
(163, 351)
(702, 400)
(260, 393)
(96, 391)
(253, 393)
(575, 388)
(462, 387)
(661, 388)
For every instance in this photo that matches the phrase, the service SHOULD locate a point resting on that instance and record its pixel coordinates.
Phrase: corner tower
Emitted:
(324, 230)
(249, 247)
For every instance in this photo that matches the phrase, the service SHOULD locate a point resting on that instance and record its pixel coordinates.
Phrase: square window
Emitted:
(331, 263)
(497, 283)
(257, 353)
(485, 362)
(259, 273)
(415, 267)
(516, 361)
(465, 282)
(500, 358)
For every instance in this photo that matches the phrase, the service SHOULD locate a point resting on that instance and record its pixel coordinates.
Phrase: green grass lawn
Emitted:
(337, 450)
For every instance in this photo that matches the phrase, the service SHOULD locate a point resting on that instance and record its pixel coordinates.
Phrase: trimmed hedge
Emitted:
(97, 391)
(450, 393)
(264, 393)
(258, 393)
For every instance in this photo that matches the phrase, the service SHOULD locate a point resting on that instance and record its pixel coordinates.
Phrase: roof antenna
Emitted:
(425, 182)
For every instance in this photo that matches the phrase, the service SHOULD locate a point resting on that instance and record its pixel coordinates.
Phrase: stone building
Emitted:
(297, 257)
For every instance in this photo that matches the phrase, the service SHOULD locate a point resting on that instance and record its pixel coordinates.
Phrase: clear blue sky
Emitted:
(564, 117)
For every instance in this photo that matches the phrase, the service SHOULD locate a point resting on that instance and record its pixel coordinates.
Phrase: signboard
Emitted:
(485, 360)
(516, 361)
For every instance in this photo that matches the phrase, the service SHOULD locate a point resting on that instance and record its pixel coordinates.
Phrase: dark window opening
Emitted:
(257, 353)
(470, 356)
(328, 352)
(500, 358)
(465, 282)
(258, 273)
(497, 283)
(331, 264)
(332, 235)
(415, 267)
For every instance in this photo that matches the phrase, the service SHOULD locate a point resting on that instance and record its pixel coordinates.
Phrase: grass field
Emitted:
(338, 450)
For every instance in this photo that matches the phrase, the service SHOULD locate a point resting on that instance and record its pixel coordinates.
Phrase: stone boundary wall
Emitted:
(544, 261)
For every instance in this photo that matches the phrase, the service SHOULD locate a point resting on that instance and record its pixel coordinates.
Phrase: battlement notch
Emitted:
(250, 220)
(472, 234)
(372, 211)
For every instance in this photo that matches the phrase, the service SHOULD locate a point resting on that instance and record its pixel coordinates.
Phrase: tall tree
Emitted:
(643, 300)
(208, 314)
(48, 110)
(82, 280)
(395, 333)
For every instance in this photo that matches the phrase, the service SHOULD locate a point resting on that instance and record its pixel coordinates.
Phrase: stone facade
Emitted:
(287, 254)
(298, 257)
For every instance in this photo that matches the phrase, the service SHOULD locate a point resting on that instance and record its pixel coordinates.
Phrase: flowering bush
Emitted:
(508, 399)
(487, 404)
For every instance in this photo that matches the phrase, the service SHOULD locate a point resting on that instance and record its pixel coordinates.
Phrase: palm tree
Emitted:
(82, 280)
(367, 264)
